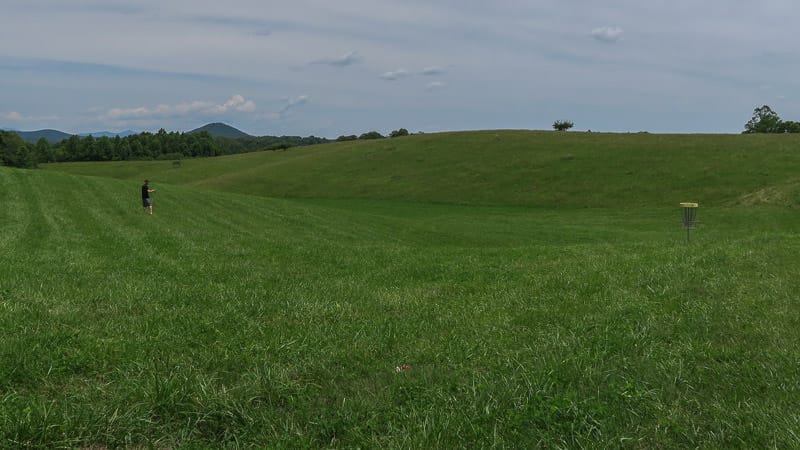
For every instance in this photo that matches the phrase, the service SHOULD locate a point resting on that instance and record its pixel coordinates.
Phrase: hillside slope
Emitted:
(544, 169)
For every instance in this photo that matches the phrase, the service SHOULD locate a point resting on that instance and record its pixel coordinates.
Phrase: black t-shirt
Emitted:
(145, 194)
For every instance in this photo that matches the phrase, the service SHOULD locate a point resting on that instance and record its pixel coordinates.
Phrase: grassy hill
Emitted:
(399, 317)
(524, 168)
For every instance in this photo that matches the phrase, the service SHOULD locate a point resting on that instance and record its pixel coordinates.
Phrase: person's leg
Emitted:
(151, 209)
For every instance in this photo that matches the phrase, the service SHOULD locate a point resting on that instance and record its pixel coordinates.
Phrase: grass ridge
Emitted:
(503, 167)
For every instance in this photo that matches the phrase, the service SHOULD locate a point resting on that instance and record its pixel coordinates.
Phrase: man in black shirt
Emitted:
(147, 202)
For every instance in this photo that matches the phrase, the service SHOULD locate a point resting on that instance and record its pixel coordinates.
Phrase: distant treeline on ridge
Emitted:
(144, 146)
(16, 152)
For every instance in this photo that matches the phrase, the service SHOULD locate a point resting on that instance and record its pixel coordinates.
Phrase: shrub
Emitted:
(562, 125)
(371, 135)
(398, 133)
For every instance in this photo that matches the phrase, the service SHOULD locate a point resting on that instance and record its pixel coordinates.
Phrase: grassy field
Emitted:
(243, 320)
(521, 168)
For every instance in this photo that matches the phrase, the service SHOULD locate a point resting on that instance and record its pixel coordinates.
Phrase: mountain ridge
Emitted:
(215, 129)
(219, 129)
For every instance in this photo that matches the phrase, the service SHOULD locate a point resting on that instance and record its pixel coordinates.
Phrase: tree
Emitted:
(764, 120)
(398, 133)
(371, 135)
(562, 125)
(103, 149)
(88, 150)
(14, 151)
(43, 150)
(123, 151)
(70, 148)
(788, 126)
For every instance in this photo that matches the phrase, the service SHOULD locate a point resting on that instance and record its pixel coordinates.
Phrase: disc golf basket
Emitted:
(689, 217)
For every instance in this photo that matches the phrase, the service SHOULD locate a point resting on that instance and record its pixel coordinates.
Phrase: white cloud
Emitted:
(432, 70)
(299, 100)
(434, 85)
(342, 61)
(403, 73)
(238, 103)
(291, 103)
(395, 75)
(235, 103)
(607, 34)
(15, 116)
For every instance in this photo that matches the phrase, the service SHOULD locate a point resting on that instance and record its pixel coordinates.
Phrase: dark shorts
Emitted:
(147, 202)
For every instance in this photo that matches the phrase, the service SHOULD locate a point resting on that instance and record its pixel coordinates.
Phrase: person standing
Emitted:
(147, 202)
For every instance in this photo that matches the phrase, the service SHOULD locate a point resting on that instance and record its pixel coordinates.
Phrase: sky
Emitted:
(329, 68)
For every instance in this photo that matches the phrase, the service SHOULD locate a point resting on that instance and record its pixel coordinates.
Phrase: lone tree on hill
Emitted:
(562, 125)
(764, 120)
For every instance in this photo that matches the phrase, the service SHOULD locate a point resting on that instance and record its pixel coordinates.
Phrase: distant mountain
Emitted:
(110, 134)
(55, 136)
(219, 129)
(52, 136)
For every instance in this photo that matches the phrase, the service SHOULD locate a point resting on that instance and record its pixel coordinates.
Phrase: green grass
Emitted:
(523, 168)
(240, 320)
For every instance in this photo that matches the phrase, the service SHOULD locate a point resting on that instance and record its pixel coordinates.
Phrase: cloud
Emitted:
(343, 61)
(432, 70)
(253, 25)
(607, 34)
(402, 73)
(291, 103)
(235, 103)
(229, 20)
(15, 116)
(92, 8)
(395, 75)
(434, 85)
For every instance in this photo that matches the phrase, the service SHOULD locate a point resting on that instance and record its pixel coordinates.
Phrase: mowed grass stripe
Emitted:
(280, 323)
(13, 214)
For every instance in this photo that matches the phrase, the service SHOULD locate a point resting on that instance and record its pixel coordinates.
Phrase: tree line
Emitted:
(372, 135)
(15, 152)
